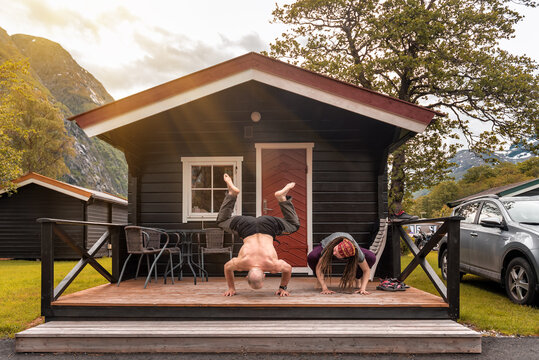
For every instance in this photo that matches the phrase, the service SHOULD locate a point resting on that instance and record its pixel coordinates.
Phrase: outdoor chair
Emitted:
(147, 241)
(214, 245)
(378, 245)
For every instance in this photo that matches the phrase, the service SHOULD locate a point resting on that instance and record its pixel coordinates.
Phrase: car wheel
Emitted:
(443, 264)
(520, 282)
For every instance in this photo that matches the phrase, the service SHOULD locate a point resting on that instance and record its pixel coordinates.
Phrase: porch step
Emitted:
(297, 336)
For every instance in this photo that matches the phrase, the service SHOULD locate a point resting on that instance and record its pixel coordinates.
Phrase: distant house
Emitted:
(39, 196)
(523, 188)
(266, 123)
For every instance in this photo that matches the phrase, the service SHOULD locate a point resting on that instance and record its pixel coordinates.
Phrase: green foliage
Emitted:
(442, 54)
(34, 127)
(10, 155)
(475, 180)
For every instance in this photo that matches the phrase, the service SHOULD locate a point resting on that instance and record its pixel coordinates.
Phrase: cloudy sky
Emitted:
(131, 45)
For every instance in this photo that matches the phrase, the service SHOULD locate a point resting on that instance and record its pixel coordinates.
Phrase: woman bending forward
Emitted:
(342, 246)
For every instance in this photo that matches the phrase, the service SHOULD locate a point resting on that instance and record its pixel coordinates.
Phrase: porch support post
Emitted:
(117, 261)
(47, 268)
(395, 250)
(453, 270)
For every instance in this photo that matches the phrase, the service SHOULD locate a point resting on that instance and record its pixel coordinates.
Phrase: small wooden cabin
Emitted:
(266, 123)
(39, 196)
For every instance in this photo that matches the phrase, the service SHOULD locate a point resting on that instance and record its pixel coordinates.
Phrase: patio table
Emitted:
(186, 243)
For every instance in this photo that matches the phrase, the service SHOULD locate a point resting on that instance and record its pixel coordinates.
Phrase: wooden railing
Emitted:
(450, 226)
(49, 293)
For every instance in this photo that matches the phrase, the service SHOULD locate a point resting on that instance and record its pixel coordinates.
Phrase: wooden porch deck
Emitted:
(184, 300)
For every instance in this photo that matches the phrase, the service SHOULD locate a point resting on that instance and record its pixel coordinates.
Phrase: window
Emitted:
(490, 210)
(204, 188)
(468, 211)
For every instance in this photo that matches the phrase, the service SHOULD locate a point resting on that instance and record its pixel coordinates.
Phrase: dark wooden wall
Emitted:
(19, 231)
(102, 211)
(349, 157)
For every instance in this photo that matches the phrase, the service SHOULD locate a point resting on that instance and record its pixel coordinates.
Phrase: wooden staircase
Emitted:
(262, 336)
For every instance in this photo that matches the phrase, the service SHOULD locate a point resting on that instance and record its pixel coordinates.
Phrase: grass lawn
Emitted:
(483, 303)
(20, 290)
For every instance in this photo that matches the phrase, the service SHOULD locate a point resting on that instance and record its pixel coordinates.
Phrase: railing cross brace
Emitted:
(86, 258)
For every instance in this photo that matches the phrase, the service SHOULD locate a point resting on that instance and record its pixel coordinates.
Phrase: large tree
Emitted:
(10, 156)
(32, 133)
(442, 54)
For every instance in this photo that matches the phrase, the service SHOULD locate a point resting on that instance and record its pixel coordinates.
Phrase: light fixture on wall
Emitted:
(255, 116)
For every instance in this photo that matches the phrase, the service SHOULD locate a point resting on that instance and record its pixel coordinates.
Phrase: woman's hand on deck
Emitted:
(230, 292)
(362, 292)
(327, 292)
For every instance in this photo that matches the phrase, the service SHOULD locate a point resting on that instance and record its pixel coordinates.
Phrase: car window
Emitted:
(468, 212)
(490, 210)
(525, 211)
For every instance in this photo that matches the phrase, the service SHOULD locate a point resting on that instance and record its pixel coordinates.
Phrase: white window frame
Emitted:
(187, 164)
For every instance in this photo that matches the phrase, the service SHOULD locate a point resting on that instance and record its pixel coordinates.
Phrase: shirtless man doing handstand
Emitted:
(257, 253)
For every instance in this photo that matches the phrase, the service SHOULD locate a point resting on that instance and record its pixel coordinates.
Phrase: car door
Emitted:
(488, 242)
(467, 226)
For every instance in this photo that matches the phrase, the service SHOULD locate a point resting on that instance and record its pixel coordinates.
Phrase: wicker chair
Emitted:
(378, 245)
(147, 241)
(214, 245)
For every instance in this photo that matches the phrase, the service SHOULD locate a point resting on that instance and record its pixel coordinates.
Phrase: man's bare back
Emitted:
(258, 251)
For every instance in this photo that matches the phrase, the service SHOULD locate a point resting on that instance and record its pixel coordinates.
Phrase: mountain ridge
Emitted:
(96, 164)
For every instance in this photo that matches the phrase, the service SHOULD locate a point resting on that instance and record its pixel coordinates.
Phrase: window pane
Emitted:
(218, 172)
(218, 197)
(468, 212)
(201, 201)
(489, 210)
(201, 176)
(523, 210)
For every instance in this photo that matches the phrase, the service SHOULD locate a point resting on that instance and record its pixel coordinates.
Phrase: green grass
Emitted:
(20, 290)
(483, 303)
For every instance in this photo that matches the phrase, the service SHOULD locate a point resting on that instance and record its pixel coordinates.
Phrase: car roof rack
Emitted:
(455, 203)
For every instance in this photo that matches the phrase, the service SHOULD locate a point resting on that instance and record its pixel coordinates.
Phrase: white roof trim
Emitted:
(52, 187)
(95, 194)
(260, 76)
(518, 192)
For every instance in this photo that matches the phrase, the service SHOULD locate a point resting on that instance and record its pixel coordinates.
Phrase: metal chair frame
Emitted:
(145, 244)
(215, 238)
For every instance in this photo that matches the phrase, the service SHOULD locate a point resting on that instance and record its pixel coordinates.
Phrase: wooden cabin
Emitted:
(268, 123)
(265, 123)
(39, 196)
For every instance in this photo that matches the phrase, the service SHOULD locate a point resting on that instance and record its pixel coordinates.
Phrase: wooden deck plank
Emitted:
(305, 336)
(209, 294)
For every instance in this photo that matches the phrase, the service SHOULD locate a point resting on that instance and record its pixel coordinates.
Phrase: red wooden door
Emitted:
(279, 167)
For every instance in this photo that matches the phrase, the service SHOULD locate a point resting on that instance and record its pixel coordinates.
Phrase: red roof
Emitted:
(266, 66)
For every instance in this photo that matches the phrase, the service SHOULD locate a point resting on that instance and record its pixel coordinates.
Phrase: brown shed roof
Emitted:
(253, 66)
(65, 188)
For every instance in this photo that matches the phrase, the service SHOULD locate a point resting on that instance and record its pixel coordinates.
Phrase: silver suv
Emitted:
(499, 240)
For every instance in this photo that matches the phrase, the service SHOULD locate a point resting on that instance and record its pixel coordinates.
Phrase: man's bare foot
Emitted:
(281, 194)
(232, 189)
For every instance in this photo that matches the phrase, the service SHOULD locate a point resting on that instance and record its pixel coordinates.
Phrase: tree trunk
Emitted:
(397, 181)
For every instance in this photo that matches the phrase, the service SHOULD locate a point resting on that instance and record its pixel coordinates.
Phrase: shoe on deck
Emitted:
(401, 215)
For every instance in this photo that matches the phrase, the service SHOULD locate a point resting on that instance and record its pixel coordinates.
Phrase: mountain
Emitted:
(465, 159)
(96, 164)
